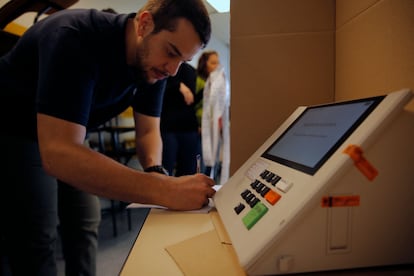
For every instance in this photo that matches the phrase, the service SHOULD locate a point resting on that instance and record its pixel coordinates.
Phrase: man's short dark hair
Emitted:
(166, 13)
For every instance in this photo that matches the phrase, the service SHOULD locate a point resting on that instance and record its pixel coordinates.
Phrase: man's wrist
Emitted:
(158, 169)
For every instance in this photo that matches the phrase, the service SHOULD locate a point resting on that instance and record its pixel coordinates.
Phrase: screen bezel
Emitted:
(312, 170)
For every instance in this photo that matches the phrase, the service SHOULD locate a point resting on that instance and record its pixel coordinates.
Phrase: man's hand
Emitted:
(187, 94)
(188, 192)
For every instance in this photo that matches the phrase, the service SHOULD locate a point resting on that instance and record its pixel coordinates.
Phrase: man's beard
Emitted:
(141, 55)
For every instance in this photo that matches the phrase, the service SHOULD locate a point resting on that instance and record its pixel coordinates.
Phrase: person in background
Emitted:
(215, 126)
(207, 63)
(179, 128)
(68, 73)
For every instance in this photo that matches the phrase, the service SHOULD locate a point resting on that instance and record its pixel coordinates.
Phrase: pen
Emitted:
(198, 160)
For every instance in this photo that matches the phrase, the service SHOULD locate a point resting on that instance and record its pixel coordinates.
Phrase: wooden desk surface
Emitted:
(161, 229)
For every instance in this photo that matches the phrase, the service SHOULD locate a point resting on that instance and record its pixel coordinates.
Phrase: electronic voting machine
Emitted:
(332, 188)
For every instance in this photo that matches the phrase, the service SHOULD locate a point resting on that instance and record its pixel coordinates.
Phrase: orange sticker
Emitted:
(340, 201)
(356, 154)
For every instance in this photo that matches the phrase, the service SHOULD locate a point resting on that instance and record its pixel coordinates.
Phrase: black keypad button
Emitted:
(239, 208)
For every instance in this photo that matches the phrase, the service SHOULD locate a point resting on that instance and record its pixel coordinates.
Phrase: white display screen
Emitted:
(318, 132)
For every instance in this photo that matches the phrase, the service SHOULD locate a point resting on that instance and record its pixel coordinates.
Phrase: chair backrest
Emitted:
(15, 8)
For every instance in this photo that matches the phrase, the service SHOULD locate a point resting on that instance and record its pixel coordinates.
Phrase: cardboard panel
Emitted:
(346, 10)
(275, 65)
(374, 51)
(271, 76)
(259, 17)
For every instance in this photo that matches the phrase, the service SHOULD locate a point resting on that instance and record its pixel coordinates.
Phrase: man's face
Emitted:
(160, 55)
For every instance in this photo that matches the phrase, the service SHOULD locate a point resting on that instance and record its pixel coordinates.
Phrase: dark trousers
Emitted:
(29, 213)
(79, 218)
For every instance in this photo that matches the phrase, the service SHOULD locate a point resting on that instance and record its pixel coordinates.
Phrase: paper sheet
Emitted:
(205, 255)
(205, 209)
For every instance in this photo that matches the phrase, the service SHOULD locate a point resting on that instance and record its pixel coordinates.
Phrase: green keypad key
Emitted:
(253, 216)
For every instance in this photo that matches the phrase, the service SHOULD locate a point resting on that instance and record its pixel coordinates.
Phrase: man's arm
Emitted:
(65, 157)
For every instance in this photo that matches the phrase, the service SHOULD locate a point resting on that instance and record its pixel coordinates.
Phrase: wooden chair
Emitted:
(15, 8)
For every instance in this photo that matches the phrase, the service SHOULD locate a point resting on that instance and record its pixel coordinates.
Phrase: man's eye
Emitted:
(171, 54)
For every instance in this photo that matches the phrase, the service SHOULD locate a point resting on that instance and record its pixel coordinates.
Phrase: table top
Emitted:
(162, 228)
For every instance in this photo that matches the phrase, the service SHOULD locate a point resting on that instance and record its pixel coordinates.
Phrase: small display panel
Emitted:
(318, 132)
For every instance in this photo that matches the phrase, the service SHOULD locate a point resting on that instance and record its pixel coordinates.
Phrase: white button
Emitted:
(284, 185)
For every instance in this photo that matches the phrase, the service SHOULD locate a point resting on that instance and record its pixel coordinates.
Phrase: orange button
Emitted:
(272, 197)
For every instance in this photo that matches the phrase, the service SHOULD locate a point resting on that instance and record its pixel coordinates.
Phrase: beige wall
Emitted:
(286, 53)
(281, 56)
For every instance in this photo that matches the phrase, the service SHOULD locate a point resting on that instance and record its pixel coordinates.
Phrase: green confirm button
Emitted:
(256, 213)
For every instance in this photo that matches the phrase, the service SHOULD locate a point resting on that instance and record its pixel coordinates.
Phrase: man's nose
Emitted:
(172, 67)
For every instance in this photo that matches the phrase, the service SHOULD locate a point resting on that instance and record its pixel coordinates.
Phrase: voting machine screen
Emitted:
(331, 189)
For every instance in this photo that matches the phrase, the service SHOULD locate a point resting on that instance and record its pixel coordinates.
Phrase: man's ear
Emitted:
(145, 23)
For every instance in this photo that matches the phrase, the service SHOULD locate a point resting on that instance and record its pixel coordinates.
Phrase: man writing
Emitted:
(68, 73)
